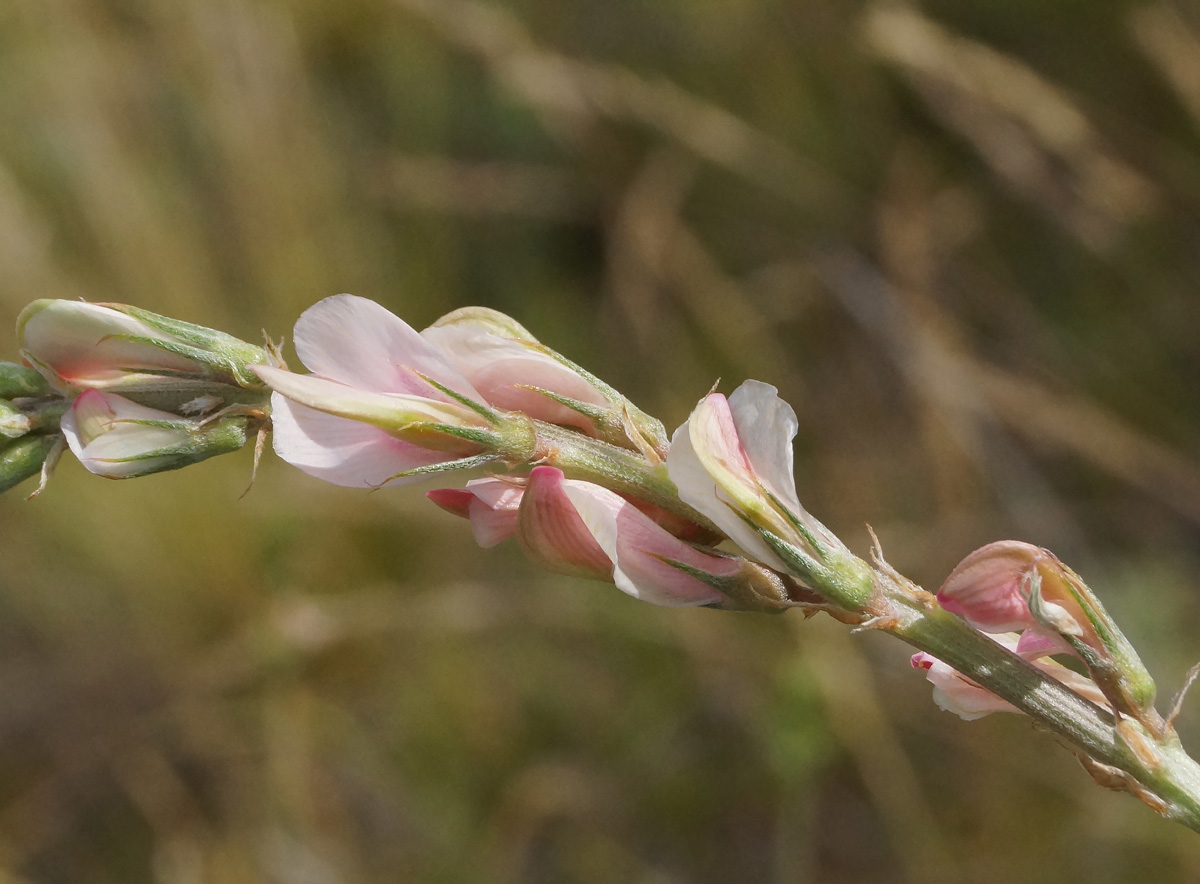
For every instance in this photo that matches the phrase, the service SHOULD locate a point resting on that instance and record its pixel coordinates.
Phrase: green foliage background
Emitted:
(961, 239)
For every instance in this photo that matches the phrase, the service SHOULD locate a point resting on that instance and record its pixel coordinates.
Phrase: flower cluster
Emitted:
(130, 392)
(386, 404)
(1037, 606)
(587, 484)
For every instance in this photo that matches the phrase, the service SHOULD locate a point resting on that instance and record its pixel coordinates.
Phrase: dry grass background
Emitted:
(962, 239)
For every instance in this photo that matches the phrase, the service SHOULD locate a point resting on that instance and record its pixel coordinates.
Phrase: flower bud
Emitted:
(78, 345)
(120, 439)
(382, 405)
(1011, 585)
(14, 423)
(732, 462)
(17, 381)
(22, 458)
(512, 370)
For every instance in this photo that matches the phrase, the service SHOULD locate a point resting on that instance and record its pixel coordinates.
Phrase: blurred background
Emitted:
(962, 239)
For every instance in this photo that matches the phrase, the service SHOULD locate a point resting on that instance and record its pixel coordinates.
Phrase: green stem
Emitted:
(1169, 777)
(618, 469)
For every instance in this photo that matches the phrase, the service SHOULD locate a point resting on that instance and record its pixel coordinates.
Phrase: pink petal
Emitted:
(501, 368)
(553, 534)
(341, 451)
(389, 410)
(84, 344)
(361, 344)
(638, 546)
(491, 504)
(453, 500)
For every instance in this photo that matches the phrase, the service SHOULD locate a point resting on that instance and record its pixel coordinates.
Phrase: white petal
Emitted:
(341, 451)
(359, 343)
(107, 446)
(766, 426)
(698, 490)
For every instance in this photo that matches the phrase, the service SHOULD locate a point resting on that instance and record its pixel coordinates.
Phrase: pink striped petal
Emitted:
(343, 451)
(362, 344)
(502, 369)
(988, 588)
(553, 534)
(641, 551)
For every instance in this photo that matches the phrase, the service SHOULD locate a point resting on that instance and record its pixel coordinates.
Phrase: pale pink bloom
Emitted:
(490, 503)
(954, 692)
(508, 372)
(991, 588)
(574, 527)
(82, 345)
(120, 439)
(732, 461)
(366, 362)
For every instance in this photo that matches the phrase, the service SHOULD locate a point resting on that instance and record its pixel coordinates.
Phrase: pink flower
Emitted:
(574, 527)
(954, 692)
(732, 461)
(993, 589)
(119, 439)
(510, 369)
(372, 409)
(516, 372)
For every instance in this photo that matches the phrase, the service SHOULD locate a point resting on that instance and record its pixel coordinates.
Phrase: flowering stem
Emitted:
(618, 469)
(1157, 771)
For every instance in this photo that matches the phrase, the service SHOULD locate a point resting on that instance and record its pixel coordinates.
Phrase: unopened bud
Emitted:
(732, 461)
(514, 371)
(120, 439)
(22, 458)
(78, 345)
(18, 381)
(14, 423)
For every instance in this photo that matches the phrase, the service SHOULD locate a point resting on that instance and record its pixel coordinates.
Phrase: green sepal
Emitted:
(233, 353)
(739, 590)
(18, 381)
(1117, 669)
(842, 579)
(23, 459)
(222, 362)
(466, 401)
(462, 463)
(220, 437)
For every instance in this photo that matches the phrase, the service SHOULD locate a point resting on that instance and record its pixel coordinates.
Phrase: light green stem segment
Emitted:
(1168, 778)
(618, 469)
